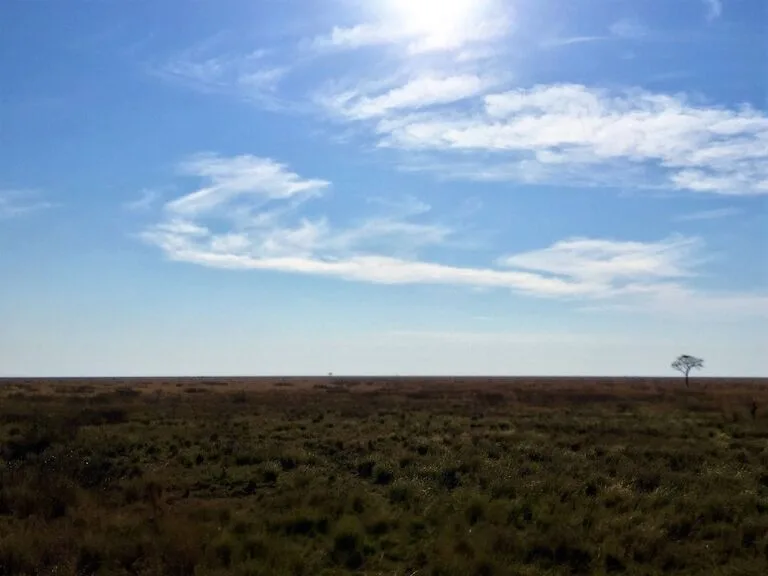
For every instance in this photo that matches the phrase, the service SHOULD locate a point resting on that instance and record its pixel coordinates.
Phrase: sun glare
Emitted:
(437, 18)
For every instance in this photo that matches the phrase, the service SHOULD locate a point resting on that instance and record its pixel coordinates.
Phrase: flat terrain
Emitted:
(390, 476)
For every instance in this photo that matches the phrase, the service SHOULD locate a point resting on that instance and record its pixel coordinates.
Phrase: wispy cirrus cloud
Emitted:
(425, 45)
(560, 41)
(539, 133)
(440, 84)
(466, 126)
(15, 203)
(146, 199)
(425, 90)
(234, 179)
(714, 214)
(248, 75)
(624, 29)
(600, 260)
(257, 201)
(245, 215)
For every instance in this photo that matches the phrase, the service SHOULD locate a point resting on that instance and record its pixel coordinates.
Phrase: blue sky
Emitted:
(383, 187)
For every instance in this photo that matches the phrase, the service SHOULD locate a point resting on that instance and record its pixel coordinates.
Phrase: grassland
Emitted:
(383, 476)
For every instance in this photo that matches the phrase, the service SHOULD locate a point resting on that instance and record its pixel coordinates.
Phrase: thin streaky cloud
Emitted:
(147, 198)
(424, 91)
(715, 214)
(233, 178)
(624, 29)
(15, 203)
(249, 75)
(609, 260)
(386, 249)
(571, 40)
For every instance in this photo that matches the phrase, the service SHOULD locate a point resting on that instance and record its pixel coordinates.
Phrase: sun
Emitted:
(432, 15)
(425, 26)
(433, 18)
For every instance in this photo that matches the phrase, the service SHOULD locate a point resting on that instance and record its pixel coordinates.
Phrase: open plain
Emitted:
(390, 476)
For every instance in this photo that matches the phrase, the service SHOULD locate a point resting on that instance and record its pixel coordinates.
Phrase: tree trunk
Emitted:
(686, 380)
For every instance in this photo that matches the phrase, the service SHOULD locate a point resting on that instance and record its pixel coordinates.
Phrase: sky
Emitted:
(523, 187)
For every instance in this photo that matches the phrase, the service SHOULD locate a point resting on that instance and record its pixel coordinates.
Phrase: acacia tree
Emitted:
(686, 363)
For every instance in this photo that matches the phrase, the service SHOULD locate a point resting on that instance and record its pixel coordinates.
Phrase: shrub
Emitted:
(475, 510)
(365, 468)
(270, 473)
(383, 476)
(348, 543)
(400, 493)
(223, 549)
(449, 478)
(647, 481)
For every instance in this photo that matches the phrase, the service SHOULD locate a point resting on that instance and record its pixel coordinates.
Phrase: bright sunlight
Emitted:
(439, 23)
(434, 17)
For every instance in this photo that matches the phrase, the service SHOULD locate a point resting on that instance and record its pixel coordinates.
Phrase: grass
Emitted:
(390, 477)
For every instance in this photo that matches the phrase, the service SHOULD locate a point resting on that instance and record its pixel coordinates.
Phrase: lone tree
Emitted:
(686, 363)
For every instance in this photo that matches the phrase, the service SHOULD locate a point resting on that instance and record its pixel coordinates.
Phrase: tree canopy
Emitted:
(685, 363)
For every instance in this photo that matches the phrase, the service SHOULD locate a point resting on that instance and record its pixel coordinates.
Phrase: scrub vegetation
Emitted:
(383, 476)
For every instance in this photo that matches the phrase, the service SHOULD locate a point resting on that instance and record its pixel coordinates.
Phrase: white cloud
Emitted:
(266, 231)
(623, 29)
(607, 261)
(257, 199)
(732, 182)
(235, 178)
(415, 41)
(181, 228)
(425, 26)
(386, 270)
(359, 36)
(433, 83)
(419, 92)
(559, 128)
(557, 41)
(459, 125)
(714, 214)
(14, 203)
(714, 9)
(246, 75)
